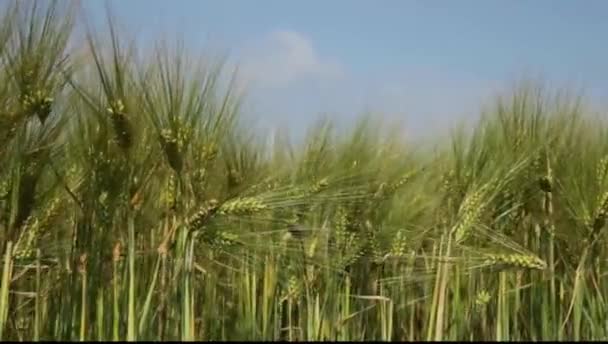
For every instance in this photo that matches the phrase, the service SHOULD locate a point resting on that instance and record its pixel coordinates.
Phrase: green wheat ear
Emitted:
(482, 299)
(168, 193)
(517, 261)
(33, 228)
(399, 247)
(388, 189)
(202, 215)
(318, 186)
(209, 152)
(469, 213)
(242, 206)
(38, 102)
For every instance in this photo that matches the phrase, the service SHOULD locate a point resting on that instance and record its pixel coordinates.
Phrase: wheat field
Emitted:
(136, 205)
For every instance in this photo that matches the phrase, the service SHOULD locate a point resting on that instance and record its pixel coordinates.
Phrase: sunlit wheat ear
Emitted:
(23, 246)
(168, 193)
(447, 180)
(242, 206)
(34, 227)
(298, 195)
(482, 299)
(209, 152)
(375, 249)
(601, 172)
(515, 261)
(341, 223)
(202, 215)
(37, 102)
(318, 187)
(293, 290)
(388, 189)
(121, 124)
(468, 214)
(399, 247)
(216, 239)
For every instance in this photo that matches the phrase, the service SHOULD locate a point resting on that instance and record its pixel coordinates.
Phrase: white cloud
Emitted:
(289, 81)
(283, 57)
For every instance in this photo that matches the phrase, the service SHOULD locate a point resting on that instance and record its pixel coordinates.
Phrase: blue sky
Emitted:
(426, 63)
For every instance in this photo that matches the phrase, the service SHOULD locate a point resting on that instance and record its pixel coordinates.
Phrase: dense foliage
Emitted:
(134, 205)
